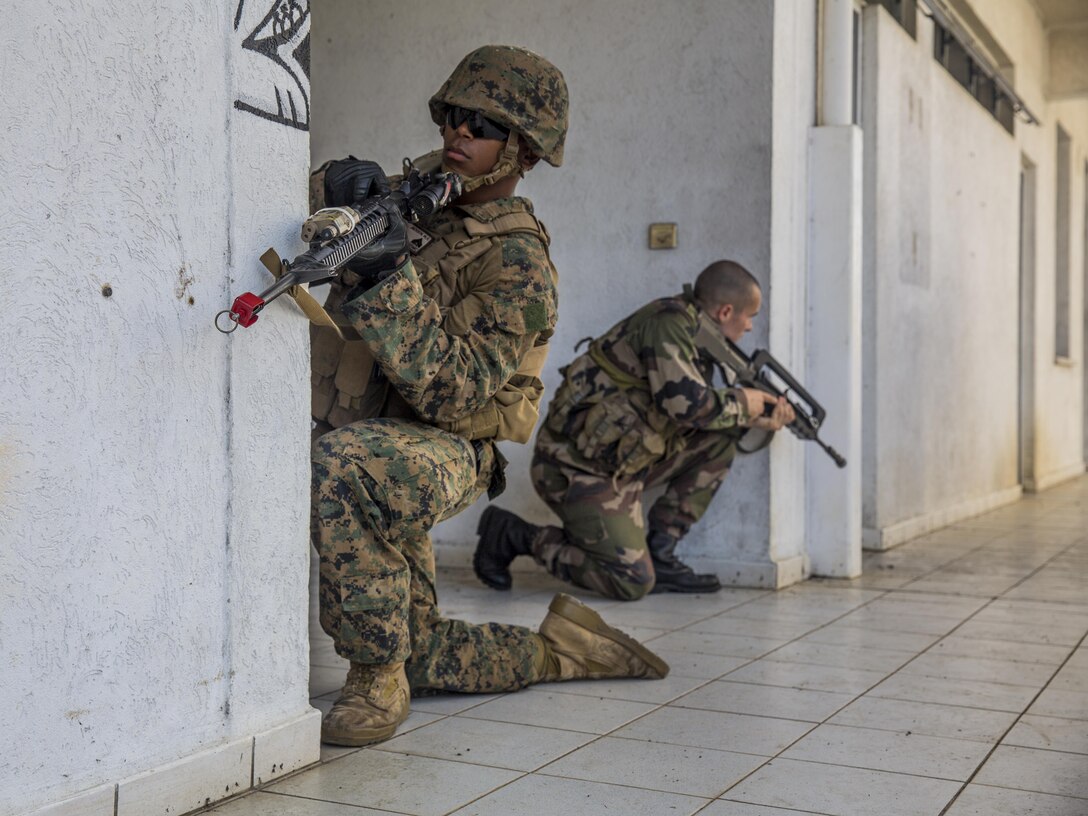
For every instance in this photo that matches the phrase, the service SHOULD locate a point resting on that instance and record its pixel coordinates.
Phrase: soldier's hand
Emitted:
(753, 400)
(375, 263)
(352, 180)
(781, 415)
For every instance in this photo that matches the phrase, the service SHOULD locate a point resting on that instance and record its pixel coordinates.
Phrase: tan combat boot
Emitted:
(373, 703)
(579, 644)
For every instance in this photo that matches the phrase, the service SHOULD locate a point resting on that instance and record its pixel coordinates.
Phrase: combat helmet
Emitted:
(517, 89)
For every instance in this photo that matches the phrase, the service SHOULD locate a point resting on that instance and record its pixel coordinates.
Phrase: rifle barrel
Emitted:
(834, 454)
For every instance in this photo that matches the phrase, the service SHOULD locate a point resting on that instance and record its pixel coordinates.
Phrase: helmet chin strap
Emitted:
(506, 165)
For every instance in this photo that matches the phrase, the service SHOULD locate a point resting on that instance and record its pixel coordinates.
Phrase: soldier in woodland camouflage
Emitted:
(637, 409)
(439, 355)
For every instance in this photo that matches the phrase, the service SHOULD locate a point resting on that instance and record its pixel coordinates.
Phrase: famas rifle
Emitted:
(338, 234)
(764, 372)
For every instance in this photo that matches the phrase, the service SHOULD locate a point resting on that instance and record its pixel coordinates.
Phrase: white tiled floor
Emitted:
(952, 678)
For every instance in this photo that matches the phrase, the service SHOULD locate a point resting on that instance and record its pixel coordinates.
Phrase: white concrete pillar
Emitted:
(833, 540)
(833, 512)
(837, 63)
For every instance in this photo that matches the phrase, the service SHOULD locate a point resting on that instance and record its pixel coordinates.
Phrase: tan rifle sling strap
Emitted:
(310, 307)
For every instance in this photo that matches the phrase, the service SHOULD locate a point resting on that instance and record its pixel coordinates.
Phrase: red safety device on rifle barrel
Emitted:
(418, 197)
(245, 308)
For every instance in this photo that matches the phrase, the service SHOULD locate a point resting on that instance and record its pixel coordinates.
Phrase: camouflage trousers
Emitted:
(602, 543)
(379, 486)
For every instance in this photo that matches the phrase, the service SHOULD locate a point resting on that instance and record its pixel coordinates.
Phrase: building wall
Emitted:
(1058, 434)
(942, 286)
(153, 472)
(670, 121)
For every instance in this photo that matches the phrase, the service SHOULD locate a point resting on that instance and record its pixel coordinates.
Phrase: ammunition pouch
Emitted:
(616, 437)
(513, 411)
(606, 427)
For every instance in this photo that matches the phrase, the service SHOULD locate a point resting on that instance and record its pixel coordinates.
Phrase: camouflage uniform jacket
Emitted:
(639, 391)
(451, 330)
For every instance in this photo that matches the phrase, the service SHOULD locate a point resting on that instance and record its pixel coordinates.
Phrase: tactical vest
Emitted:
(607, 415)
(348, 386)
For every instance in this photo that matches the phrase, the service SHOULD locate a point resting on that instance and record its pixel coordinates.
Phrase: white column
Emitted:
(833, 512)
(837, 62)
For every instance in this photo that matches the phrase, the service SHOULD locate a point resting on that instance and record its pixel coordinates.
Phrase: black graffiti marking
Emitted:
(283, 35)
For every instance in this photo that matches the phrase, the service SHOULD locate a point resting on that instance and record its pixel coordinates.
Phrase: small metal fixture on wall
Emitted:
(662, 236)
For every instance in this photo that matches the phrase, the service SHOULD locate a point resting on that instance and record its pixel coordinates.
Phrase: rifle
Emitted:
(338, 234)
(764, 372)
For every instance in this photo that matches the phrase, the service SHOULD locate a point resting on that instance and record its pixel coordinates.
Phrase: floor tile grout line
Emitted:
(1026, 790)
(867, 768)
(972, 551)
(768, 807)
(334, 802)
(1047, 750)
(1019, 717)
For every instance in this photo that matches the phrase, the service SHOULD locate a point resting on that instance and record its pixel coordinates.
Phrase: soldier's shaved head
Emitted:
(725, 282)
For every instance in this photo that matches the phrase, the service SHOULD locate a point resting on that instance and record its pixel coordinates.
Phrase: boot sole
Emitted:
(357, 739)
(476, 554)
(577, 612)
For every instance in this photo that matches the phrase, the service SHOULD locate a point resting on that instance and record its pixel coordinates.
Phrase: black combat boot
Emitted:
(503, 537)
(673, 575)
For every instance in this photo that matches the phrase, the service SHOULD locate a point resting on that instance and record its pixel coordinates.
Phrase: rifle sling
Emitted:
(309, 305)
(620, 378)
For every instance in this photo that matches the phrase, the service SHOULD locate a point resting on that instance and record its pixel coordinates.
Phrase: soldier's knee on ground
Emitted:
(632, 590)
(631, 575)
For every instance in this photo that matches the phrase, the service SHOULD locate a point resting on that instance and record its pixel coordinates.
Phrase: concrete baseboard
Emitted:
(189, 783)
(1055, 477)
(285, 749)
(758, 574)
(201, 779)
(100, 801)
(885, 538)
(459, 555)
(754, 574)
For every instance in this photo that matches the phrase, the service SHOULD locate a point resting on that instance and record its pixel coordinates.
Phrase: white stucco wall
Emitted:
(670, 121)
(941, 294)
(153, 472)
(941, 285)
(1058, 434)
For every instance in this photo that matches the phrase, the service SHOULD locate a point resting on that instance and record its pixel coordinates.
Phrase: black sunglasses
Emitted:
(478, 125)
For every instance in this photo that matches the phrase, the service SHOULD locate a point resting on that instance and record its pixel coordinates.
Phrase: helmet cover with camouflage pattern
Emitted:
(514, 87)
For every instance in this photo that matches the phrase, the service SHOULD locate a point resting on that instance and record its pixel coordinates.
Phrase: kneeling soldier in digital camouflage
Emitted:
(453, 323)
(637, 409)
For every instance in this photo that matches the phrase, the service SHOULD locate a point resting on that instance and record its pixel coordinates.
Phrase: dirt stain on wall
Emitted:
(185, 280)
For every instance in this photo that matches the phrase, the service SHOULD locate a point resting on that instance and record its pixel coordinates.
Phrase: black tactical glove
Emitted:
(379, 260)
(351, 180)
